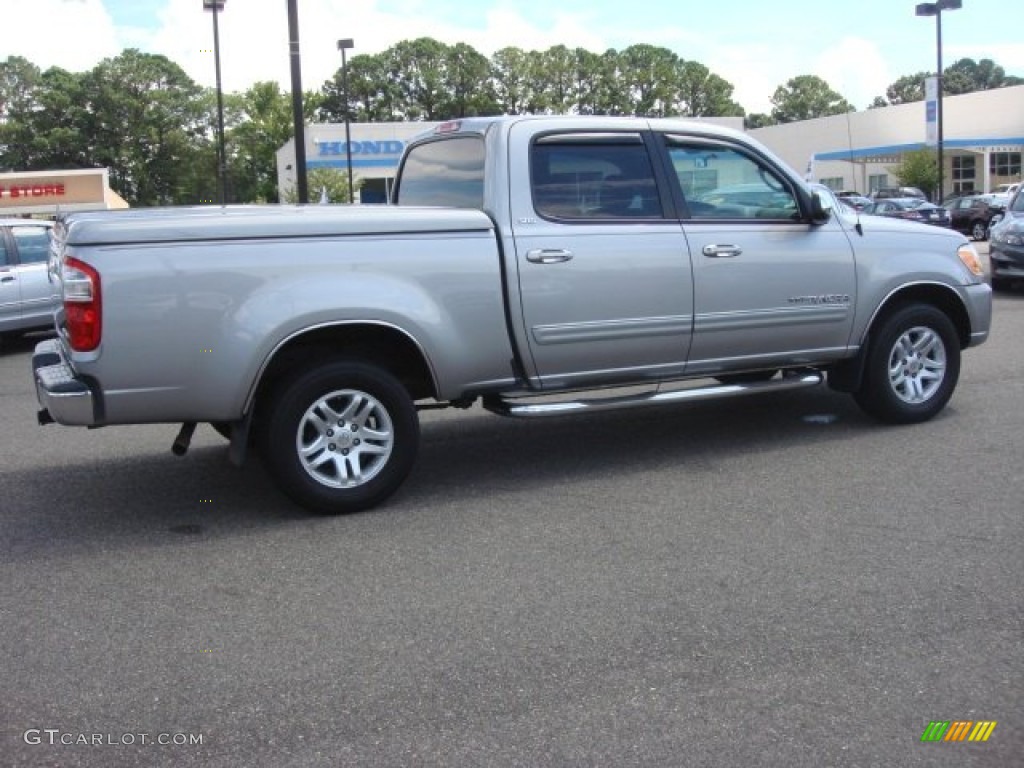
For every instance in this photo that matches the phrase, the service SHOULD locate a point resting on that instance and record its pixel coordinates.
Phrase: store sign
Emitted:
(48, 191)
(328, 148)
(30, 191)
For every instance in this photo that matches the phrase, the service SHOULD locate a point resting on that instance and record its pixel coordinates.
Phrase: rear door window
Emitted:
(593, 176)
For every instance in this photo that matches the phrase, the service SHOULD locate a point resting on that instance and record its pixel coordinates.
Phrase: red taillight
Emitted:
(83, 307)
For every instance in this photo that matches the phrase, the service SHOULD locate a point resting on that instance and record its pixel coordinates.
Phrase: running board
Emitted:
(528, 408)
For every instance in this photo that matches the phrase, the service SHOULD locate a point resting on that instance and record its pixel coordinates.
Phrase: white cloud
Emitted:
(856, 69)
(73, 34)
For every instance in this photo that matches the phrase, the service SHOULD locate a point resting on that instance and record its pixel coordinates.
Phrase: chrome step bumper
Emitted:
(64, 397)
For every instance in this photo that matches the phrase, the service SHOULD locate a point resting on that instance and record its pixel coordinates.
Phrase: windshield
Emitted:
(1018, 203)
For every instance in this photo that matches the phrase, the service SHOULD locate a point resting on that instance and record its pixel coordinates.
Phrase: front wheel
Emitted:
(340, 438)
(979, 230)
(912, 366)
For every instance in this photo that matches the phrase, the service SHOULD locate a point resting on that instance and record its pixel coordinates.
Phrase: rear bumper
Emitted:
(63, 397)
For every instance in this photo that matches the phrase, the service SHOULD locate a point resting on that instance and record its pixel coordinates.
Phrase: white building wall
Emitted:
(975, 123)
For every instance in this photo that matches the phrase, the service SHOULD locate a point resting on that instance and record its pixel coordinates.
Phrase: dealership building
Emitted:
(983, 142)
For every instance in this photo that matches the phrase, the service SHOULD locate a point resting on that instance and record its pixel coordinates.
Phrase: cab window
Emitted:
(721, 182)
(448, 172)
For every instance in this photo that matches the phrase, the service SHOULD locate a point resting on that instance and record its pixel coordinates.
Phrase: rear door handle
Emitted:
(6, 279)
(722, 251)
(548, 255)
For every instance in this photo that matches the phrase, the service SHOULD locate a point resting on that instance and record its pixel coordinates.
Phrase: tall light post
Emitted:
(217, 6)
(298, 121)
(935, 9)
(344, 45)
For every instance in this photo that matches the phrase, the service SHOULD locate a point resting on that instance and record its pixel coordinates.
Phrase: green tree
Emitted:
(418, 69)
(553, 79)
(467, 81)
(649, 73)
(374, 96)
(758, 120)
(968, 76)
(589, 81)
(907, 89)
(918, 169)
(806, 97)
(148, 122)
(261, 121)
(19, 86)
(510, 80)
(698, 92)
(331, 183)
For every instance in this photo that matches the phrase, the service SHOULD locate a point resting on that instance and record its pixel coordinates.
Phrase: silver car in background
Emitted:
(27, 298)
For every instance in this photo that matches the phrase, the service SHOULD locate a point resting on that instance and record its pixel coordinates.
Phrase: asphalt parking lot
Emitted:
(776, 581)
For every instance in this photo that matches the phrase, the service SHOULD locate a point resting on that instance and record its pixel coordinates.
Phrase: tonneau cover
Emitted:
(156, 225)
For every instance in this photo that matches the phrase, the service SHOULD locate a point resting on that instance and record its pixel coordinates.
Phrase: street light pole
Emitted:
(936, 9)
(344, 45)
(298, 121)
(217, 6)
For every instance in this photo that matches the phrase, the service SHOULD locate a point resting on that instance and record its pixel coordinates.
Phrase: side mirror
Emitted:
(821, 208)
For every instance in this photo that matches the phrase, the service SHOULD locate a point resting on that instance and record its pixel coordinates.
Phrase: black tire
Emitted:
(912, 365)
(979, 230)
(222, 428)
(332, 409)
(751, 377)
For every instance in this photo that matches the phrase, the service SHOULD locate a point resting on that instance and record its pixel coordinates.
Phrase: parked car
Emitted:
(910, 209)
(1006, 245)
(973, 214)
(1006, 189)
(857, 202)
(886, 193)
(27, 299)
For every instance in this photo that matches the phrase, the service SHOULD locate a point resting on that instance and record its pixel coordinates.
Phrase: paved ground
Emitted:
(775, 582)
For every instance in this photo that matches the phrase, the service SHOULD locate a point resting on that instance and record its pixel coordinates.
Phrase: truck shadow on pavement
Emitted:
(466, 459)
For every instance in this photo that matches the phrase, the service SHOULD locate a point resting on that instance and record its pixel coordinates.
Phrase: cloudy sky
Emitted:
(859, 47)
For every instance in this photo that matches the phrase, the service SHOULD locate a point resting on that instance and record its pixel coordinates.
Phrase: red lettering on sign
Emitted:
(34, 190)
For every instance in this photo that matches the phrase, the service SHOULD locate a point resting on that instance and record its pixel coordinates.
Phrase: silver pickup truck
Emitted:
(533, 264)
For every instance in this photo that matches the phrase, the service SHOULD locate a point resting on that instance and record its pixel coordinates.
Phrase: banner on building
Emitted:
(931, 111)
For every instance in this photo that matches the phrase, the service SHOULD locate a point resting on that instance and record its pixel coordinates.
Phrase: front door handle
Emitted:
(722, 251)
(548, 255)
(6, 279)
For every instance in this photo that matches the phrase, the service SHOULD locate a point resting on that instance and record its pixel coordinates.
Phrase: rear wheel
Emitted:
(340, 438)
(912, 366)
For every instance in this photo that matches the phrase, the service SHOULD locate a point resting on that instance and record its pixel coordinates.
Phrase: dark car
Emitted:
(972, 215)
(27, 299)
(886, 193)
(910, 209)
(1006, 245)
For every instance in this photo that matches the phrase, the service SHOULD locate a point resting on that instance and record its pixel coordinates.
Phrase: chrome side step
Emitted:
(529, 408)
